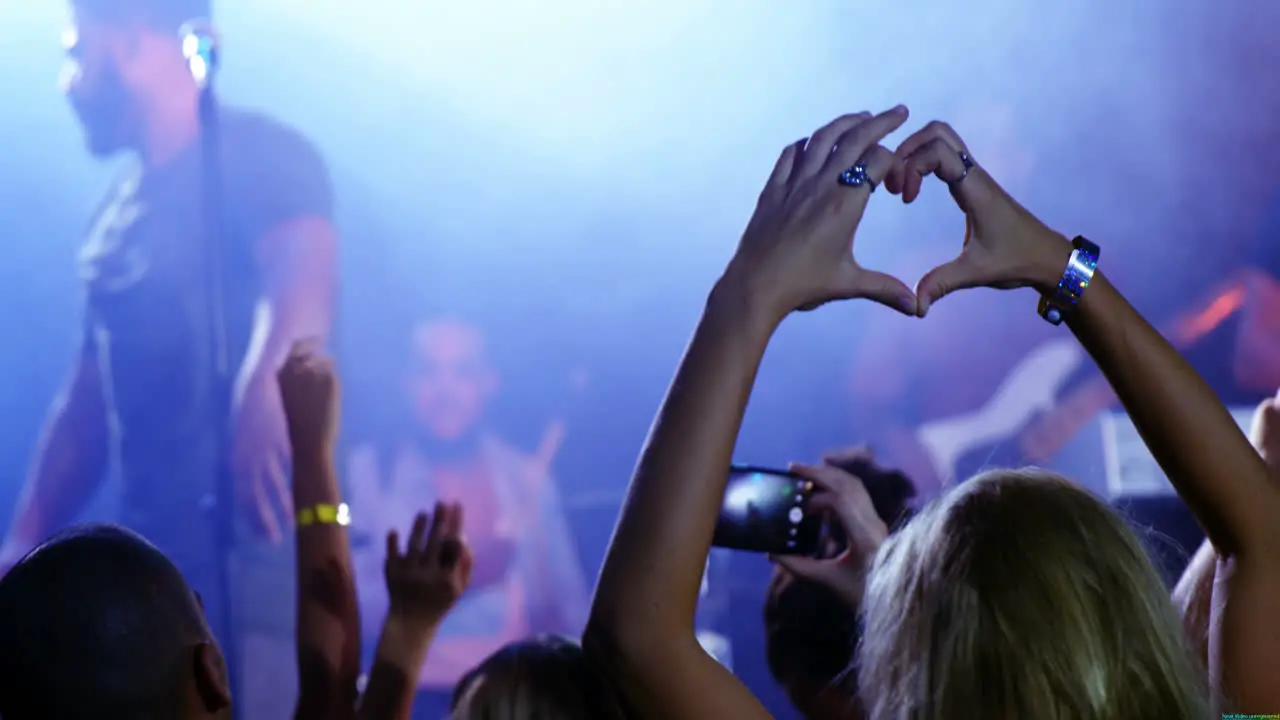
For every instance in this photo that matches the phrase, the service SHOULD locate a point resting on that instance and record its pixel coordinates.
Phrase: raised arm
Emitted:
(424, 582)
(1185, 426)
(795, 253)
(328, 641)
(70, 462)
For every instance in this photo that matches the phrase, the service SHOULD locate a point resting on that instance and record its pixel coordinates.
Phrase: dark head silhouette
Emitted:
(98, 623)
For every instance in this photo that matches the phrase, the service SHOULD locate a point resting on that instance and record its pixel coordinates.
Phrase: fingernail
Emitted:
(899, 109)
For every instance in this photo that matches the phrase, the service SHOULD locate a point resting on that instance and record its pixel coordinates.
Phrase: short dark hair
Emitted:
(891, 491)
(811, 634)
(159, 15)
(96, 622)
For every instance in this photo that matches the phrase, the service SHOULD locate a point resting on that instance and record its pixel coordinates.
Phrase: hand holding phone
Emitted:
(766, 511)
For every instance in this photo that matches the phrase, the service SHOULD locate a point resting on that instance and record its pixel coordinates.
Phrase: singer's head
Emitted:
(125, 75)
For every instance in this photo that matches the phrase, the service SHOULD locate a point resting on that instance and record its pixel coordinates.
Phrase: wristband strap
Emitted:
(1055, 306)
(325, 514)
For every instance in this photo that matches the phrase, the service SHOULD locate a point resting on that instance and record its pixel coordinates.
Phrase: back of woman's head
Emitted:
(1020, 595)
(542, 678)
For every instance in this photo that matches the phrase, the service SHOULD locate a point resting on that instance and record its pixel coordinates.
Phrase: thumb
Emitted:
(944, 280)
(880, 287)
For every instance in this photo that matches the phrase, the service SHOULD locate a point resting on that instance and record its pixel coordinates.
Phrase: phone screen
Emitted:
(764, 511)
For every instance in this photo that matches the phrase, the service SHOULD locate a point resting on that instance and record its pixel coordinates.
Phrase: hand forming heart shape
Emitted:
(797, 251)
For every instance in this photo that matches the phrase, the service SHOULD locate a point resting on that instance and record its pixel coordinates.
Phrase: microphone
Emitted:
(201, 47)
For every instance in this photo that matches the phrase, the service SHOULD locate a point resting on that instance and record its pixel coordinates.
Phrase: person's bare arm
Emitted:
(424, 582)
(328, 624)
(1189, 432)
(643, 612)
(70, 462)
(1193, 594)
(796, 252)
(299, 263)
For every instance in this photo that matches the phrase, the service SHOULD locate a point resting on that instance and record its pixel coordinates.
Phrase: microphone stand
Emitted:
(200, 47)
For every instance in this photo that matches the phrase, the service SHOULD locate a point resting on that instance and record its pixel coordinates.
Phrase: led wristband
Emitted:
(1055, 306)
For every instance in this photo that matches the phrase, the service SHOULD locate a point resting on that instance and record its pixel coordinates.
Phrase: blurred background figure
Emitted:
(527, 576)
(143, 395)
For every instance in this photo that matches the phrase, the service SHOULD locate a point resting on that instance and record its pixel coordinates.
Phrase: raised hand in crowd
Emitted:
(796, 253)
(328, 642)
(843, 499)
(1189, 432)
(424, 581)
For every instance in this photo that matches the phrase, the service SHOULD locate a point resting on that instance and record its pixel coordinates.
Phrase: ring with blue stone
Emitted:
(856, 176)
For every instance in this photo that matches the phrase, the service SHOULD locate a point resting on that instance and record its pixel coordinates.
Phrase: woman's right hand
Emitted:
(1005, 246)
(797, 250)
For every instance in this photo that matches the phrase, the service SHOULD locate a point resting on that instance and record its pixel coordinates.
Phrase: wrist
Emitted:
(405, 639)
(315, 480)
(737, 298)
(1050, 261)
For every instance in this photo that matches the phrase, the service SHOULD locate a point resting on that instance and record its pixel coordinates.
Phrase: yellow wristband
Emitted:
(325, 514)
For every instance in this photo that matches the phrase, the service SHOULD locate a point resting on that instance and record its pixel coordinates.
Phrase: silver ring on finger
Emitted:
(857, 176)
(968, 163)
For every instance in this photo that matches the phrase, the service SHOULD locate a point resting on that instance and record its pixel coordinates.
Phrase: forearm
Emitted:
(280, 321)
(648, 587)
(1186, 427)
(328, 626)
(70, 463)
(397, 663)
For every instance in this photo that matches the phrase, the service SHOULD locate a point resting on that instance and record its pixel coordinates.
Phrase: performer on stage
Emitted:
(527, 577)
(140, 388)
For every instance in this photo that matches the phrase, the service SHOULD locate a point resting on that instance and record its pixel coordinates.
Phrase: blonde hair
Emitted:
(542, 678)
(1018, 594)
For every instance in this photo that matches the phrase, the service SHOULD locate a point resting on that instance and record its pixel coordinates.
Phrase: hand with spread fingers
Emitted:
(796, 253)
(1005, 246)
(845, 499)
(427, 578)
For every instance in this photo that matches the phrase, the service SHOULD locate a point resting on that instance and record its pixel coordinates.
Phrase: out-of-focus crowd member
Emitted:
(541, 677)
(527, 578)
(424, 582)
(97, 623)
(328, 622)
(811, 632)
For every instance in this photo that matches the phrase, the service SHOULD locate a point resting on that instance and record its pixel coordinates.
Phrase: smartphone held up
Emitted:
(766, 511)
